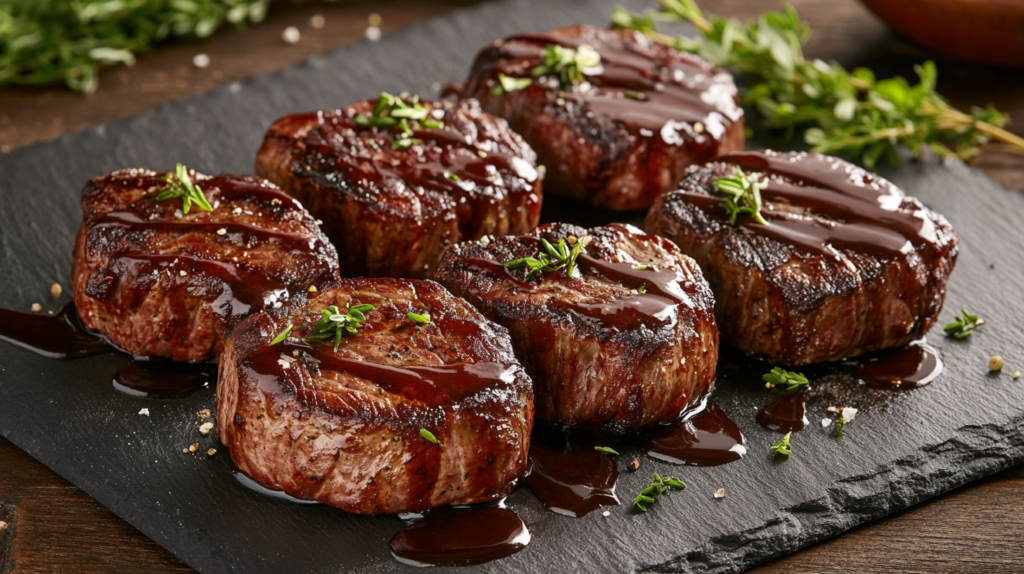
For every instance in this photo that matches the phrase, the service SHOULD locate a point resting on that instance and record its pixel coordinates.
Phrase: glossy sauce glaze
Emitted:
(909, 367)
(785, 414)
(655, 93)
(58, 336)
(708, 438)
(568, 476)
(162, 378)
(461, 537)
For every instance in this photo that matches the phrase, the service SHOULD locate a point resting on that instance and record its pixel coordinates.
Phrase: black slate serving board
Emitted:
(66, 414)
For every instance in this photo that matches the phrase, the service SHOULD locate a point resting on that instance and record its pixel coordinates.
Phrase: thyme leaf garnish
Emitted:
(399, 112)
(782, 449)
(788, 380)
(571, 66)
(659, 486)
(742, 196)
(429, 436)
(419, 319)
(180, 185)
(282, 336)
(551, 258)
(963, 326)
(335, 325)
(606, 450)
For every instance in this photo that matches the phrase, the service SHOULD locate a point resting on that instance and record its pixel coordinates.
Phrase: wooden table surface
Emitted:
(48, 525)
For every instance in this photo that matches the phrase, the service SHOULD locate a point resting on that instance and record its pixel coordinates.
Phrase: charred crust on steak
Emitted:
(344, 427)
(847, 263)
(625, 135)
(613, 348)
(158, 282)
(390, 212)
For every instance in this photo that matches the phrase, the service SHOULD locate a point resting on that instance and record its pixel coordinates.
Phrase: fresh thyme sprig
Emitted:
(843, 113)
(659, 486)
(742, 195)
(782, 449)
(396, 112)
(334, 325)
(551, 258)
(788, 380)
(44, 43)
(964, 325)
(180, 185)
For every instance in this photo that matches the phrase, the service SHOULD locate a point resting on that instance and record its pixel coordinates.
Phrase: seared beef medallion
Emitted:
(371, 409)
(162, 283)
(625, 342)
(845, 263)
(617, 131)
(392, 190)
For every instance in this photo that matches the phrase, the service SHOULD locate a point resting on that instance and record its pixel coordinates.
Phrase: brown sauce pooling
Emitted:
(58, 336)
(785, 414)
(162, 378)
(461, 537)
(569, 476)
(709, 438)
(909, 367)
(435, 385)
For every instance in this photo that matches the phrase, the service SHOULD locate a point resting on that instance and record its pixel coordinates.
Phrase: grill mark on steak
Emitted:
(158, 282)
(601, 355)
(626, 134)
(846, 264)
(391, 212)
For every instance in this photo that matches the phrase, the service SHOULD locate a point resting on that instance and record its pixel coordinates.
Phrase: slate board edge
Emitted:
(998, 447)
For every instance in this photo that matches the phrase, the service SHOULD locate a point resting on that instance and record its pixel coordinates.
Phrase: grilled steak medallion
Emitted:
(392, 200)
(628, 131)
(346, 426)
(846, 263)
(161, 283)
(629, 340)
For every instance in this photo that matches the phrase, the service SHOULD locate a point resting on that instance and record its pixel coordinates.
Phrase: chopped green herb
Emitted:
(508, 84)
(606, 450)
(963, 326)
(640, 267)
(659, 486)
(405, 143)
(782, 449)
(282, 336)
(180, 185)
(742, 196)
(634, 95)
(451, 176)
(843, 113)
(551, 258)
(400, 112)
(846, 417)
(334, 325)
(840, 423)
(423, 319)
(571, 66)
(429, 436)
(780, 377)
(642, 289)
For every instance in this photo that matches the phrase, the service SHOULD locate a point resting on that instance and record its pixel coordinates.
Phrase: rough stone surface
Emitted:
(900, 450)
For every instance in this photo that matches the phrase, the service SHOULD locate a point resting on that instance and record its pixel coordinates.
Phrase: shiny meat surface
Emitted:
(628, 132)
(390, 212)
(845, 265)
(161, 283)
(613, 348)
(344, 427)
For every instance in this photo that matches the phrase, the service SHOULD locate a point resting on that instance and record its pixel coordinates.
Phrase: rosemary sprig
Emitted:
(44, 43)
(334, 325)
(659, 486)
(551, 258)
(782, 449)
(789, 380)
(180, 185)
(742, 196)
(400, 113)
(843, 113)
(963, 326)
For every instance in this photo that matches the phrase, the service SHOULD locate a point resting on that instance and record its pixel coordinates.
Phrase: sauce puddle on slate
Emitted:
(569, 476)
(162, 378)
(708, 438)
(788, 413)
(465, 536)
(58, 336)
(909, 367)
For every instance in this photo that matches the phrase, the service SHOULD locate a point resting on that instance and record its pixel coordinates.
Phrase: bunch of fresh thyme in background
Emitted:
(842, 113)
(45, 42)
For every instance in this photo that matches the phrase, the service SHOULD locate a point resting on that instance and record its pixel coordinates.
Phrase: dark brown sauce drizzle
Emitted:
(708, 438)
(58, 336)
(461, 537)
(909, 367)
(785, 414)
(162, 378)
(568, 476)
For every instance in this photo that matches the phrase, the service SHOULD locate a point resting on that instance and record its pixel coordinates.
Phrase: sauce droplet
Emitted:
(569, 476)
(785, 414)
(58, 336)
(162, 378)
(461, 537)
(909, 367)
(709, 438)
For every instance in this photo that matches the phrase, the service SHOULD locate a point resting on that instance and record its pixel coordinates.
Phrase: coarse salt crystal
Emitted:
(144, 412)
(825, 422)
(205, 428)
(720, 493)
(849, 413)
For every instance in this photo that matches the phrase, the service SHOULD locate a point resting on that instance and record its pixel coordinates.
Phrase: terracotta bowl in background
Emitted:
(987, 31)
